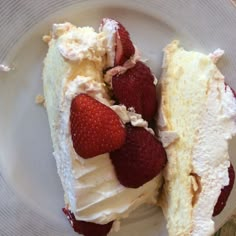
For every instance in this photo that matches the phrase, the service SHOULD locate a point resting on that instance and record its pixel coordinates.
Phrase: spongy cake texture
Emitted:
(198, 107)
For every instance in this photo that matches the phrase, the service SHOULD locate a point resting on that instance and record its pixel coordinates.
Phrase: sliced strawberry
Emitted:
(140, 159)
(119, 40)
(124, 46)
(95, 128)
(135, 88)
(87, 228)
(225, 192)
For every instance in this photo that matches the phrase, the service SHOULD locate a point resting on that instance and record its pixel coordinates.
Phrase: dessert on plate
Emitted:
(101, 99)
(102, 102)
(198, 117)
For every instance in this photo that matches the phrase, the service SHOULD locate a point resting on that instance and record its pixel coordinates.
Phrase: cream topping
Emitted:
(80, 43)
(109, 28)
(131, 116)
(60, 29)
(168, 137)
(216, 55)
(210, 155)
(88, 85)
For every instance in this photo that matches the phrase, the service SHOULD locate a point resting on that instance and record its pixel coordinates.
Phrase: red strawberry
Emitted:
(140, 159)
(95, 128)
(124, 46)
(135, 88)
(225, 192)
(87, 228)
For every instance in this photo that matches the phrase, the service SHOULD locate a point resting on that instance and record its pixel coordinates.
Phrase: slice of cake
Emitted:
(100, 100)
(196, 121)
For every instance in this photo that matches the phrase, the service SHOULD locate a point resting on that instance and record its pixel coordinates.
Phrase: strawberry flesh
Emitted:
(225, 192)
(124, 46)
(135, 88)
(140, 159)
(95, 128)
(87, 228)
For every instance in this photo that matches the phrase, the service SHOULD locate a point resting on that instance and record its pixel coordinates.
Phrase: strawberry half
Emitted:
(95, 128)
(119, 39)
(87, 228)
(124, 46)
(225, 192)
(140, 159)
(135, 88)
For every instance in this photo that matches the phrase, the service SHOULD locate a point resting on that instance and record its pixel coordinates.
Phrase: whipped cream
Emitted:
(109, 28)
(60, 29)
(91, 87)
(130, 116)
(210, 155)
(216, 55)
(76, 44)
(168, 137)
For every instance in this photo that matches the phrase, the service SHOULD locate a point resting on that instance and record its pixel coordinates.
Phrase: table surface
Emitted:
(229, 228)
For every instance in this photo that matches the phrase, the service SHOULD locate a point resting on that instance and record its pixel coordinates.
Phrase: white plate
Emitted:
(31, 195)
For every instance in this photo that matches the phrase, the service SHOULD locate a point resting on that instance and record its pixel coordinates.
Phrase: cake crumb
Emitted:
(116, 226)
(47, 38)
(216, 55)
(39, 99)
(4, 68)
